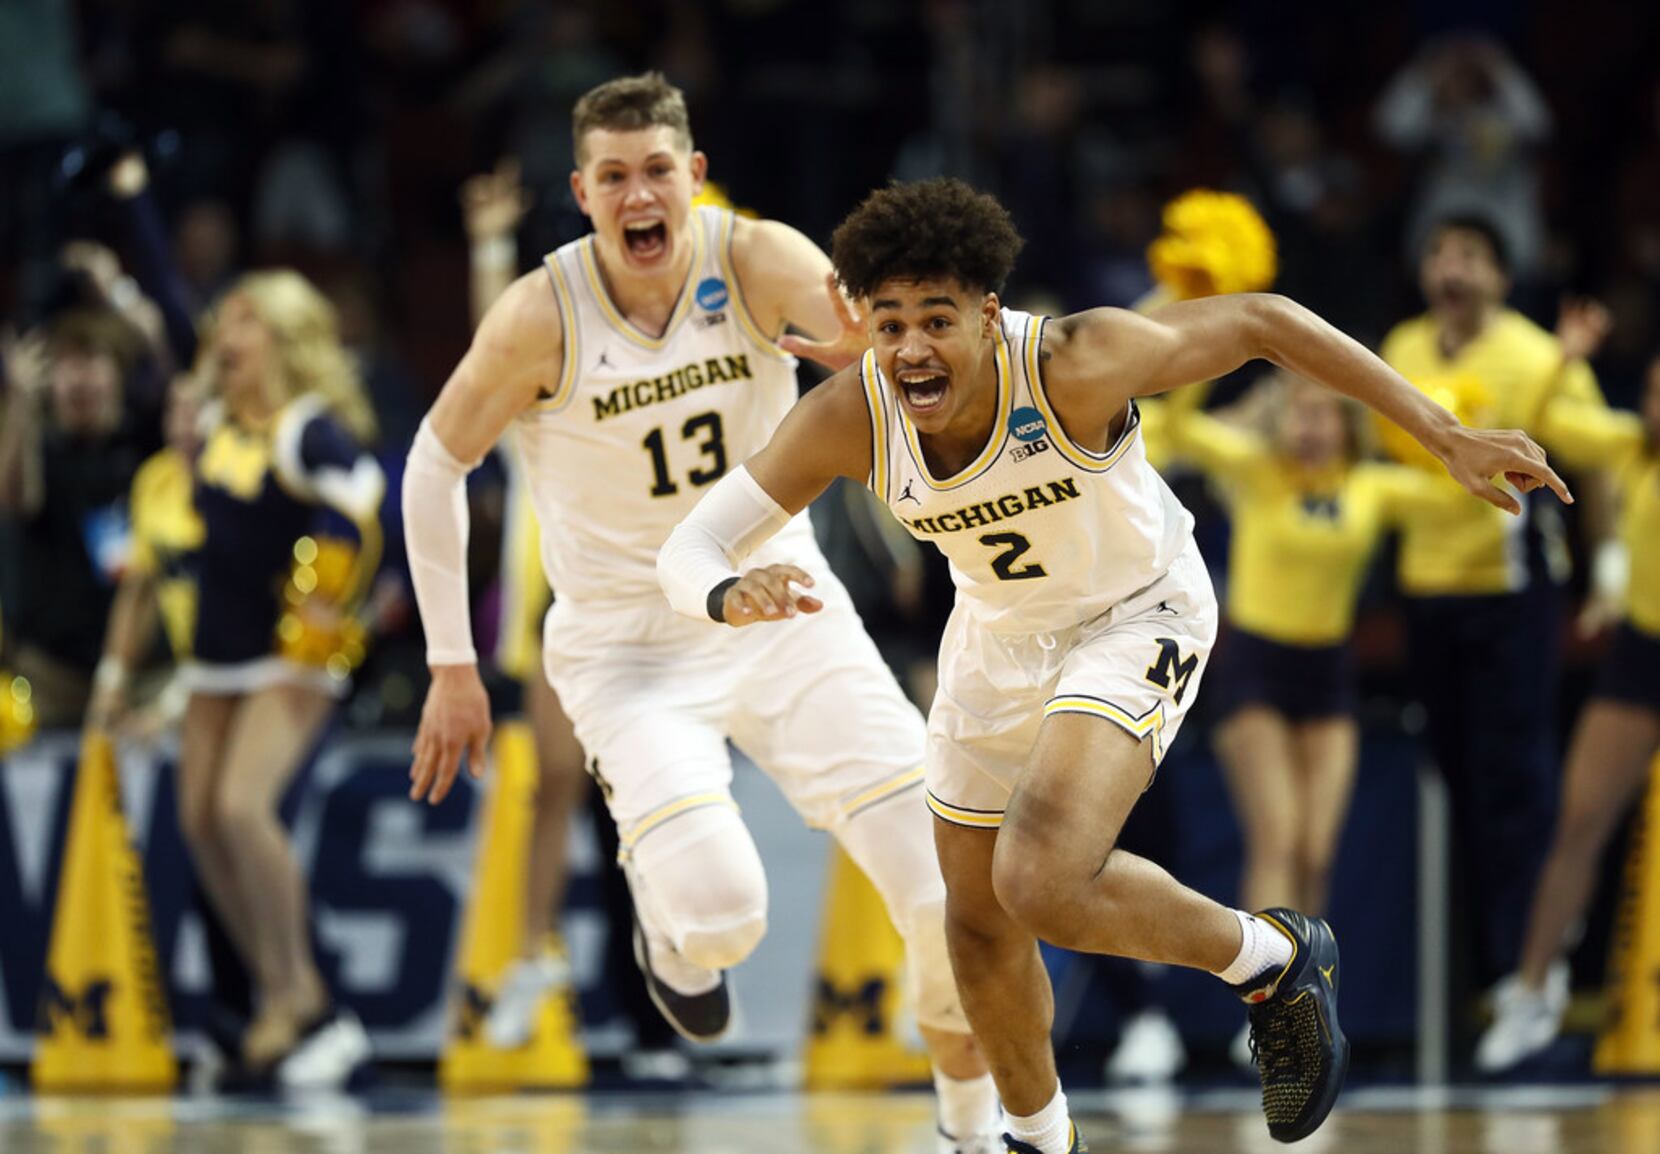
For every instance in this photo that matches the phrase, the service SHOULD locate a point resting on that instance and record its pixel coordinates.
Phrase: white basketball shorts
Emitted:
(654, 696)
(1137, 666)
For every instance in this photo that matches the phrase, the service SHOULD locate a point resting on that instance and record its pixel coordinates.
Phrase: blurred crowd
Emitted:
(154, 152)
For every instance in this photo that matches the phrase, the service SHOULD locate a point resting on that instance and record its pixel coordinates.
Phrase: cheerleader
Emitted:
(1614, 742)
(288, 499)
(1307, 512)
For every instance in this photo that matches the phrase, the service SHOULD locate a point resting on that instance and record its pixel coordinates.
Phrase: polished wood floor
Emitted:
(1514, 1121)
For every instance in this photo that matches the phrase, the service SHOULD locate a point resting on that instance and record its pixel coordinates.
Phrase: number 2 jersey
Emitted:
(634, 428)
(1041, 533)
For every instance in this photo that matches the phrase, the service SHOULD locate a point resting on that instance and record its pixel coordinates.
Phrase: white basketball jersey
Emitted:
(1040, 532)
(637, 427)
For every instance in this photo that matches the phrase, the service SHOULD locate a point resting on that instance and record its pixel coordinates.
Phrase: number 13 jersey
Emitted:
(632, 429)
(1041, 533)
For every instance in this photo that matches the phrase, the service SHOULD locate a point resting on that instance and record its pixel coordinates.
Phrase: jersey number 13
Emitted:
(713, 446)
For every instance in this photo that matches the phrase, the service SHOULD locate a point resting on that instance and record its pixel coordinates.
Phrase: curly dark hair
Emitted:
(925, 228)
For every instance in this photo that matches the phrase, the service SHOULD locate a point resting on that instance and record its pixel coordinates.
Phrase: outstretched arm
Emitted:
(517, 346)
(1094, 361)
(787, 280)
(826, 435)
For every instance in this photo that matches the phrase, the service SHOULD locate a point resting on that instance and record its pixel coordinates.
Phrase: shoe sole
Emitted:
(657, 1000)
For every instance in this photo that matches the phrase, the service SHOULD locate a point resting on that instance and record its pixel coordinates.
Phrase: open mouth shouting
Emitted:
(923, 389)
(646, 239)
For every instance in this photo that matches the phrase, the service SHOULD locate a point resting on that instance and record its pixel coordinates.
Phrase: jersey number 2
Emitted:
(713, 446)
(1014, 545)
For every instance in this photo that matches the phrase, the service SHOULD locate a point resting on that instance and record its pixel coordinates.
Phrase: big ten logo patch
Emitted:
(84, 1011)
(861, 1003)
(1027, 426)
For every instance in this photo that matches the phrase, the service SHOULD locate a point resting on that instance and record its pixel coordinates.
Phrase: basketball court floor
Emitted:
(1524, 1120)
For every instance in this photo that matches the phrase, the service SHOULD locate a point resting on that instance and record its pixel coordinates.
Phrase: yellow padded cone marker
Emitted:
(858, 993)
(103, 1017)
(1630, 1041)
(553, 1058)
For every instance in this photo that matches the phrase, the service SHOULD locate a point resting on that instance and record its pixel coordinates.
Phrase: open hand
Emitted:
(841, 350)
(454, 720)
(765, 595)
(1476, 456)
(24, 360)
(493, 203)
(1581, 327)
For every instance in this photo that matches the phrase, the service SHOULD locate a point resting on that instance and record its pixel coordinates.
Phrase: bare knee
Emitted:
(197, 822)
(237, 816)
(1035, 887)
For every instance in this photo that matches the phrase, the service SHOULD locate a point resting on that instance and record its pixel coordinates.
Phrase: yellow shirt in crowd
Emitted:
(1302, 539)
(1511, 376)
(1622, 444)
(165, 533)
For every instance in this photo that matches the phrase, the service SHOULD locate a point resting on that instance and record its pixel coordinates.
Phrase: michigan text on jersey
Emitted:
(639, 394)
(990, 512)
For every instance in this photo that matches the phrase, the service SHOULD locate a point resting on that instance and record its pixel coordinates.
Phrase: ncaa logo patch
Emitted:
(711, 293)
(1026, 423)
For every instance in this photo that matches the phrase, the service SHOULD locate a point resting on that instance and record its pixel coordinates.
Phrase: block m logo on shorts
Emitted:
(86, 1012)
(1171, 669)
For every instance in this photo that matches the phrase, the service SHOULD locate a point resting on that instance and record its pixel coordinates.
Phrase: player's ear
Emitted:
(990, 310)
(700, 170)
(579, 191)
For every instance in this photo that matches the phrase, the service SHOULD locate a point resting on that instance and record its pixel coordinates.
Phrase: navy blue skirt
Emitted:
(1300, 682)
(1631, 670)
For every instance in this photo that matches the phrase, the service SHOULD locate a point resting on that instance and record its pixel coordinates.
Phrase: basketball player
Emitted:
(1084, 613)
(634, 370)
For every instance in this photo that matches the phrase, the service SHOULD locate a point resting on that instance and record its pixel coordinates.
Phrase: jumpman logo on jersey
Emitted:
(604, 360)
(905, 494)
(1164, 607)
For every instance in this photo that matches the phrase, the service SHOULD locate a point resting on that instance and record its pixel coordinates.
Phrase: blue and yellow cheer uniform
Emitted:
(1630, 672)
(1301, 544)
(290, 543)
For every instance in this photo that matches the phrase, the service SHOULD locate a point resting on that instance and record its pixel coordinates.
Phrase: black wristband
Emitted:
(716, 603)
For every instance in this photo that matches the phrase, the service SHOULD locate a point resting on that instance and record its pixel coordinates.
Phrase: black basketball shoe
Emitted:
(1016, 1146)
(695, 1017)
(1300, 1051)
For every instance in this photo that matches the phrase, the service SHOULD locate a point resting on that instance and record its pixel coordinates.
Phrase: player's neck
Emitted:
(647, 300)
(1456, 329)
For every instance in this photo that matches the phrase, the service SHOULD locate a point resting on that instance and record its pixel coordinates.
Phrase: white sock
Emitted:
(1264, 948)
(1049, 1130)
(967, 1106)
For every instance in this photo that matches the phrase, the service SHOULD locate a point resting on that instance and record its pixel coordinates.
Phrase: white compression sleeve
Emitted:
(435, 535)
(732, 520)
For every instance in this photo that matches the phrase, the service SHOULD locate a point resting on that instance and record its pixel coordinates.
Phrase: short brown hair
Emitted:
(629, 103)
(92, 332)
(925, 228)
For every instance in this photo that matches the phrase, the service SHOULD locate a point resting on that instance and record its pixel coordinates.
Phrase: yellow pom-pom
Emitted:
(714, 195)
(17, 713)
(1213, 242)
(1463, 394)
